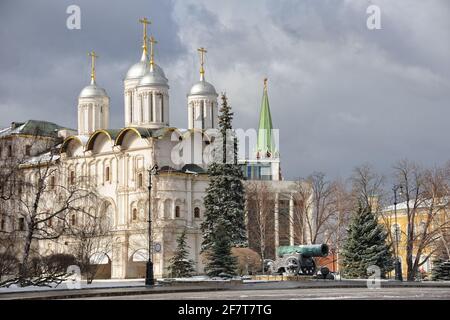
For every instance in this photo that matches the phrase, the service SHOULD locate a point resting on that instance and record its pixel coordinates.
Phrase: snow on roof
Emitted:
(421, 204)
(42, 158)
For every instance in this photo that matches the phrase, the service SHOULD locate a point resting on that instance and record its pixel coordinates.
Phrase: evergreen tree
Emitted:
(220, 259)
(224, 200)
(224, 224)
(441, 270)
(180, 266)
(366, 245)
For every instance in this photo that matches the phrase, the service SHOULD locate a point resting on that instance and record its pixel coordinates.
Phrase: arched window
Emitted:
(140, 181)
(72, 177)
(134, 215)
(107, 174)
(196, 212)
(21, 224)
(73, 220)
(52, 182)
(177, 211)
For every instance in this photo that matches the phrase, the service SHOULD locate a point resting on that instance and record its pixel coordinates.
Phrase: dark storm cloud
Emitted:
(341, 94)
(49, 62)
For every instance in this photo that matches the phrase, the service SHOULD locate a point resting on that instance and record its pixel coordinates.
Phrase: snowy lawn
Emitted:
(122, 283)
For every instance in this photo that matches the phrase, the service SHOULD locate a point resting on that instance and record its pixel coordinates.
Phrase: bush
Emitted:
(248, 261)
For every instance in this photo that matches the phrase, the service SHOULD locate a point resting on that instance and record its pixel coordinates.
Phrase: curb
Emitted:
(118, 291)
(76, 295)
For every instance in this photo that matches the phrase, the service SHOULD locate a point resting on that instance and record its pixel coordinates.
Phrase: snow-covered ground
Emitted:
(96, 284)
(117, 283)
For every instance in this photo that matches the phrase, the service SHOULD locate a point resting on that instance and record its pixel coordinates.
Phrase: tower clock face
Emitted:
(157, 247)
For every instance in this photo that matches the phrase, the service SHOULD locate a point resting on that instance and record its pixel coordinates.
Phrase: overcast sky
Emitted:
(341, 94)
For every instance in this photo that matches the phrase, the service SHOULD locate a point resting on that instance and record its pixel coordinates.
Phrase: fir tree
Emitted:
(220, 260)
(180, 266)
(441, 270)
(224, 200)
(366, 245)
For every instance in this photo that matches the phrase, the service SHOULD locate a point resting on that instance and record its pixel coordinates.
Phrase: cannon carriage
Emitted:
(296, 260)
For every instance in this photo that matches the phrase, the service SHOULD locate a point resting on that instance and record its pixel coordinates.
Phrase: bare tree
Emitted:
(316, 197)
(367, 187)
(8, 258)
(38, 194)
(91, 241)
(260, 218)
(302, 206)
(336, 226)
(426, 196)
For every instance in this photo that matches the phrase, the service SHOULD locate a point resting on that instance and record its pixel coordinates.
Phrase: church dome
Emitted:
(136, 71)
(92, 91)
(139, 69)
(202, 88)
(154, 77)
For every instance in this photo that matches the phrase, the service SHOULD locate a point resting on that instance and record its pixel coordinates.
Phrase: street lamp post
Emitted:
(398, 263)
(149, 278)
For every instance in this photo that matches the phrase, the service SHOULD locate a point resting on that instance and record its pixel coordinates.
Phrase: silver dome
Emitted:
(91, 91)
(139, 69)
(202, 88)
(155, 77)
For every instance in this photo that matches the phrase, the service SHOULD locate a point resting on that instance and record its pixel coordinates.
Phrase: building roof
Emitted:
(192, 168)
(32, 127)
(425, 203)
(265, 144)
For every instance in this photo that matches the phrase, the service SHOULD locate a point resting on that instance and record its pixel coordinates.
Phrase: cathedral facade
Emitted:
(147, 151)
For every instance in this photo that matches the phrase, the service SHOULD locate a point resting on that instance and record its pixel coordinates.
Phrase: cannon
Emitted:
(296, 260)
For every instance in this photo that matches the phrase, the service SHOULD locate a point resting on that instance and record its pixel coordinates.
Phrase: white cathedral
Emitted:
(119, 161)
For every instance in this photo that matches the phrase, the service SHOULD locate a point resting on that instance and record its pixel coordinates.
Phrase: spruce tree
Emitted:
(224, 200)
(180, 266)
(366, 245)
(441, 270)
(220, 259)
(224, 224)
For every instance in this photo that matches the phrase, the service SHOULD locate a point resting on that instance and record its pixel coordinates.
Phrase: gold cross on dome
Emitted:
(152, 44)
(202, 52)
(93, 57)
(145, 22)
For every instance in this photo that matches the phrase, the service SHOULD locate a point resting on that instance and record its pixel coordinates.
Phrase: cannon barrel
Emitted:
(311, 250)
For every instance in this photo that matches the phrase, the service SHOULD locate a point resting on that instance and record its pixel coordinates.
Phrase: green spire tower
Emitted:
(265, 143)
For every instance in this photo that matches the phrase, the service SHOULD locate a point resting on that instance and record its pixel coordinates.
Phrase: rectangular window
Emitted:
(21, 224)
(52, 182)
(162, 107)
(2, 225)
(28, 150)
(72, 178)
(9, 151)
(150, 100)
(140, 180)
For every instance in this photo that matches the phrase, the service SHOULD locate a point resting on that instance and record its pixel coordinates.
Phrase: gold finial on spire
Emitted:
(202, 52)
(93, 56)
(152, 45)
(144, 22)
(265, 84)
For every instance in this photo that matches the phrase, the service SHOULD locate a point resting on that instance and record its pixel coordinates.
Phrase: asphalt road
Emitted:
(299, 294)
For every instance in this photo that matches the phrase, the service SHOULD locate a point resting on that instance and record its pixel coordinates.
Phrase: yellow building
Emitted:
(428, 225)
